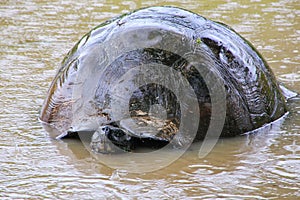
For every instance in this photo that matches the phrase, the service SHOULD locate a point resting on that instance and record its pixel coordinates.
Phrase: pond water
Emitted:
(36, 35)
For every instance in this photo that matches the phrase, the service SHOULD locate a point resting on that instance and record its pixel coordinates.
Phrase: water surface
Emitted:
(36, 35)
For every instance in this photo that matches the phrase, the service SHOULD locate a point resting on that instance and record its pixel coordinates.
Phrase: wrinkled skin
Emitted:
(253, 97)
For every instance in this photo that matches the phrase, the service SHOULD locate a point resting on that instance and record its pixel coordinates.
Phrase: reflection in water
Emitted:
(250, 165)
(37, 35)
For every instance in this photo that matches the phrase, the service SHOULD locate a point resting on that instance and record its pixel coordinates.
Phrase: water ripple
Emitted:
(35, 37)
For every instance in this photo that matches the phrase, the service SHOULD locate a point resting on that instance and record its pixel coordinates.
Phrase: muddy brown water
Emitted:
(36, 35)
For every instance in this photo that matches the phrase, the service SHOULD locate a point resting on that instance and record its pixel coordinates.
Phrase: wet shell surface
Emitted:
(162, 71)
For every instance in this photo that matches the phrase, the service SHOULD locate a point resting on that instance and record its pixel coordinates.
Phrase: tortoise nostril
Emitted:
(105, 129)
